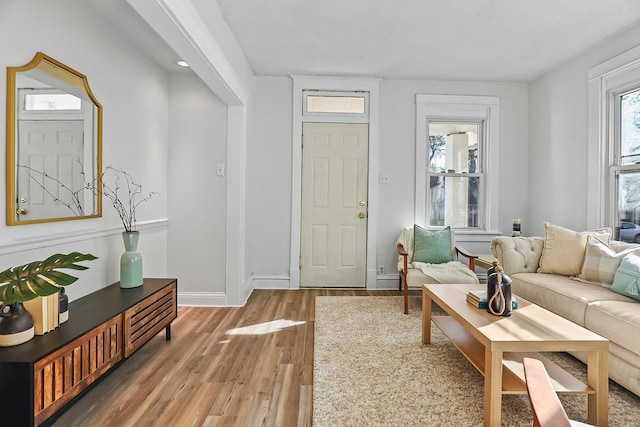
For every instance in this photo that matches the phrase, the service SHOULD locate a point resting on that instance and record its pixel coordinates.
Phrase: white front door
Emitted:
(50, 178)
(334, 205)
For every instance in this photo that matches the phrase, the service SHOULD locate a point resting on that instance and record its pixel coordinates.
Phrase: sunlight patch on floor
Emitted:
(265, 328)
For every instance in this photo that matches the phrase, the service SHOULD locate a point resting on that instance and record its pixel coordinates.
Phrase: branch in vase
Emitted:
(75, 205)
(125, 205)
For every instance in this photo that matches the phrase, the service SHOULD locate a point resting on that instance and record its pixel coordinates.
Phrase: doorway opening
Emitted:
(336, 106)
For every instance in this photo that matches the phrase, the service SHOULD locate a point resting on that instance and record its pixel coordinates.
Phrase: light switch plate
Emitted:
(220, 169)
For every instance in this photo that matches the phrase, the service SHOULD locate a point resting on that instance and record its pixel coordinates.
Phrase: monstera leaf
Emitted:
(40, 278)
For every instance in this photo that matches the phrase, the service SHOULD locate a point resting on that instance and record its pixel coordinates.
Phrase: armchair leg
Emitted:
(406, 295)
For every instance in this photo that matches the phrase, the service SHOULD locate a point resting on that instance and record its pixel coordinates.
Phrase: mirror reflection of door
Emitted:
(50, 155)
(47, 186)
(334, 205)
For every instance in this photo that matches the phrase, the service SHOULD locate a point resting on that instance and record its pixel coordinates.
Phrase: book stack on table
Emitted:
(45, 312)
(478, 298)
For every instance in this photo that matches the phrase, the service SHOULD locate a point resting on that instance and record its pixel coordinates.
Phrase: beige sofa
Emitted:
(592, 306)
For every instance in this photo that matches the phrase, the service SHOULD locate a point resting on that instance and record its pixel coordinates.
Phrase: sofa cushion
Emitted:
(432, 247)
(560, 294)
(619, 246)
(415, 278)
(619, 321)
(563, 251)
(627, 279)
(450, 272)
(601, 262)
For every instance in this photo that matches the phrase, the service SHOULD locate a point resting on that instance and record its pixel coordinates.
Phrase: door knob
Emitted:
(362, 214)
(21, 211)
(362, 203)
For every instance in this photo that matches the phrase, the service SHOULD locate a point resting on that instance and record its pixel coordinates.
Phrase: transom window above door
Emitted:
(332, 103)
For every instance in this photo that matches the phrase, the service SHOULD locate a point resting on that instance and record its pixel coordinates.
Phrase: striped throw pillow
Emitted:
(601, 262)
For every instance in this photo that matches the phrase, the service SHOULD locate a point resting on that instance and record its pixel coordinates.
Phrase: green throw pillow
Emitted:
(627, 278)
(432, 247)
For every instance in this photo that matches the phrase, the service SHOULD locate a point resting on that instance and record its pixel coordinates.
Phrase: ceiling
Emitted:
(135, 30)
(478, 40)
(487, 40)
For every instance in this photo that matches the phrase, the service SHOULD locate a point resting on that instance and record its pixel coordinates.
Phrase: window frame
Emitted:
(607, 82)
(460, 108)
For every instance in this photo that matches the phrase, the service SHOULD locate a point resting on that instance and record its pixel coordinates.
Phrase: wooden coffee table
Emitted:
(496, 345)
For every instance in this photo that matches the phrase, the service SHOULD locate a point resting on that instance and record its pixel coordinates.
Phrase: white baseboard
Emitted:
(264, 281)
(371, 278)
(275, 281)
(387, 281)
(202, 299)
(269, 281)
(247, 290)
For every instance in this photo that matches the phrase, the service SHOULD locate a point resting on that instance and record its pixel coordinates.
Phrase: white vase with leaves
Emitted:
(125, 196)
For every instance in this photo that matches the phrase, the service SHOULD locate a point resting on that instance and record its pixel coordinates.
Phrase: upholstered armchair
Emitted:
(426, 256)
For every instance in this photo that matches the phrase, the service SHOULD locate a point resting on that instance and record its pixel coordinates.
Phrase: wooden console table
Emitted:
(41, 376)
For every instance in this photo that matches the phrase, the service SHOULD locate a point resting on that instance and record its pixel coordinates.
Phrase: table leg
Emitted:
(492, 387)
(598, 379)
(426, 317)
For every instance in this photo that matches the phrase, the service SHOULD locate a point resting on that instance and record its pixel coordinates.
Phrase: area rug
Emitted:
(371, 369)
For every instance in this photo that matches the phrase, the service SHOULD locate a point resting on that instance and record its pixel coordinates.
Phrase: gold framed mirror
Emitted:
(54, 144)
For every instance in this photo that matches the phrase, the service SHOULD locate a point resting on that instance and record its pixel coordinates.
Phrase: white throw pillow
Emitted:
(563, 251)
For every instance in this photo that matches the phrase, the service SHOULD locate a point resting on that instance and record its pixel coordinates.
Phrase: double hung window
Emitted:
(456, 144)
(454, 173)
(614, 146)
(625, 169)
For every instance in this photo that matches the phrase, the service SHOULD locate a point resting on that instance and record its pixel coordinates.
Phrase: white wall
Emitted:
(197, 202)
(397, 156)
(558, 106)
(135, 98)
(268, 228)
(269, 166)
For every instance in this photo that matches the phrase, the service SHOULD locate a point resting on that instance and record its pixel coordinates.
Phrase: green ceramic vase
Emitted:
(130, 261)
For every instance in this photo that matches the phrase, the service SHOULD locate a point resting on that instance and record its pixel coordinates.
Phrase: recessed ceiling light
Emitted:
(183, 63)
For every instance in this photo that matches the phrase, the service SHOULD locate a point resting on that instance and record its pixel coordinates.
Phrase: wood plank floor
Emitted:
(228, 366)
